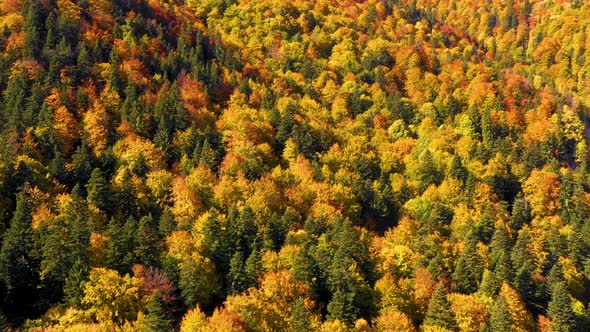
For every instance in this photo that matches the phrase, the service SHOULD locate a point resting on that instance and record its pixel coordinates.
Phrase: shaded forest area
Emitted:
(241, 165)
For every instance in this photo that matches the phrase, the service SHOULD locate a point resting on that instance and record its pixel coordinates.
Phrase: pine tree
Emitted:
(469, 267)
(81, 166)
(18, 266)
(560, 309)
(500, 319)
(167, 223)
(246, 230)
(253, 268)
(74, 283)
(237, 278)
(33, 19)
(300, 318)
(98, 191)
(119, 250)
(457, 170)
(342, 307)
(158, 318)
(146, 240)
(439, 312)
(127, 198)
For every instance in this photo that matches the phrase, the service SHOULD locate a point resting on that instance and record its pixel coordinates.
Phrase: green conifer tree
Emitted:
(439, 311)
(560, 309)
(18, 265)
(99, 194)
(74, 283)
(237, 278)
(158, 318)
(469, 267)
(146, 240)
(500, 319)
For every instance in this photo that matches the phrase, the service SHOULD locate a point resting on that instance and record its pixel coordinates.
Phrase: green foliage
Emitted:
(560, 309)
(351, 146)
(439, 313)
(158, 319)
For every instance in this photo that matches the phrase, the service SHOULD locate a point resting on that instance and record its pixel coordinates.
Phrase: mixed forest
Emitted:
(267, 165)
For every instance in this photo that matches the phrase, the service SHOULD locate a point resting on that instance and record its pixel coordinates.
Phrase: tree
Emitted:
(439, 313)
(193, 320)
(500, 316)
(146, 242)
(237, 278)
(74, 283)
(520, 214)
(120, 250)
(18, 265)
(199, 284)
(469, 268)
(560, 309)
(300, 320)
(112, 298)
(99, 194)
(81, 166)
(32, 43)
(158, 318)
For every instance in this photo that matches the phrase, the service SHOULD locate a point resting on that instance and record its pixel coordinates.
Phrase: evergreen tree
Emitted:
(237, 278)
(18, 266)
(245, 230)
(300, 318)
(81, 166)
(74, 283)
(560, 309)
(500, 319)
(439, 312)
(457, 170)
(253, 268)
(342, 307)
(146, 239)
(119, 250)
(158, 318)
(167, 223)
(33, 19)
(99, 194)
(469, 267)
(127, 198)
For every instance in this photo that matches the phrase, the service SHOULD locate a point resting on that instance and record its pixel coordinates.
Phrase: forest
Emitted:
(304, 165)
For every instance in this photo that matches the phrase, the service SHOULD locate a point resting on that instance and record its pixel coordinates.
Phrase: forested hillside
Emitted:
(266, 165)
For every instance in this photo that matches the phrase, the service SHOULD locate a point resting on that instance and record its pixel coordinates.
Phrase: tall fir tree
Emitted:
(158, 318)
(560, 309)
(99, 194)
(500, 319)
(18, 264)
(439, 312)
(469, 269)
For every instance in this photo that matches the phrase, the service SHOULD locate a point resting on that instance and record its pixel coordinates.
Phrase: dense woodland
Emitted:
(266, 165)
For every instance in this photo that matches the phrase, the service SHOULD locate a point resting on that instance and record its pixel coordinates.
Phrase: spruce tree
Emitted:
(469, 267)
(81, 166)
(74, 283)
(158, 318)
(18, 265)
(439, 311)
(520, 213)
(560, 309)
(237, 278)
(99, 194)
(167, 223)
(146, 240)
(300, 318)
(500, 319)
(342, 307)
(253, 267)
